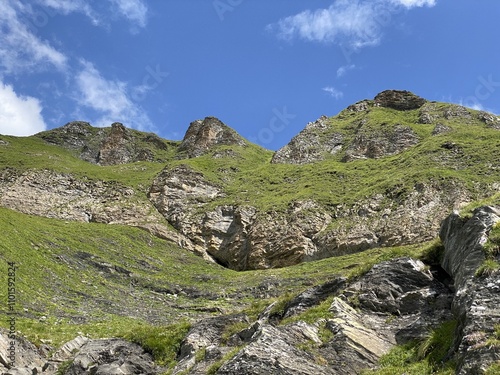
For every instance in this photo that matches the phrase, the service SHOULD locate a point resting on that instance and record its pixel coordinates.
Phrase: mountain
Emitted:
(338, 228)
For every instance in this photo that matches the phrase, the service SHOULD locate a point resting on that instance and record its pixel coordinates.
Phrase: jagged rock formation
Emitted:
(203, 135)
(106, 146)
(477, 301)
(309, 145)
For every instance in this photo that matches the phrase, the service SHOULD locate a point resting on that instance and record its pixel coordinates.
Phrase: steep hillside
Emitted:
(382, 172)
(119, 233)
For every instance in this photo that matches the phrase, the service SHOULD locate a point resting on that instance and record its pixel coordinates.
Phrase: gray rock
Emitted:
(400, 100)
(112, 356)
(204, 135)
(314, 296)
(463, 240)
(374, 145)
(311, 145)
(477, 301)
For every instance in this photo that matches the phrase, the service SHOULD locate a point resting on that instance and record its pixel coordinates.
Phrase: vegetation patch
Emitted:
(426, 357)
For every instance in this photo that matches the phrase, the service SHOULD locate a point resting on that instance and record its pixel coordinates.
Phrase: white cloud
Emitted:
(344, 20)
(344, 69)
(19, 115)
(134, 10)
(71, 6)
(414, 3)
(351, 23)
(333, 92)
(20, 49)
(110, 99)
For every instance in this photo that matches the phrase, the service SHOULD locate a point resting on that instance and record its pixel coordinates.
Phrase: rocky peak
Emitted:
(114, 148)
(106, 146)
(400, 100)
(202, 135)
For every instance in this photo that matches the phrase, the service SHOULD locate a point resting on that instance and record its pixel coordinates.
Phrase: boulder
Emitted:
(400, 100)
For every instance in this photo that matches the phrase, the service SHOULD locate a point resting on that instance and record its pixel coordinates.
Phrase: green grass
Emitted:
(492, 251)
(421, 358)
(163, 343)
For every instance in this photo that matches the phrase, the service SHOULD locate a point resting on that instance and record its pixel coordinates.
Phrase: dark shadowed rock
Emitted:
(314, 296)
(203, 135)
(400, 100)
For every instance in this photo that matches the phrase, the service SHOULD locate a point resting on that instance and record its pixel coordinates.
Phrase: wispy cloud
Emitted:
(414, 3)
(344, 69)
(134, 10)
(72, 6)
(110, 99)
(333, 92)
(352, 23)
(19, 115)
(20, 49)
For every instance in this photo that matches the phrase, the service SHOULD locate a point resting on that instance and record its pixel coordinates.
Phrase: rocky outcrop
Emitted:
(107, 146)
(322, 139)
(67, 197)
(354, 333)
(203, 135)
(400, 100)
(374, 145)
(242, 237)
(477, 301)
(80, 356)
(311, 144)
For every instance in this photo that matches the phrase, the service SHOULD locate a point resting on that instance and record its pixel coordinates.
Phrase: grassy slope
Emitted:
(59, 277)
(273, 186)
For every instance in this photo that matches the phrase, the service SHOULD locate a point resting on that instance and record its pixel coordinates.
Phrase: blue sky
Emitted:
(264, 67)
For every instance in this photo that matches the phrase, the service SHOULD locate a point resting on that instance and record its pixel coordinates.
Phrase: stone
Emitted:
(374, 145)
(112, 356)
(204, 135)
(477, 301)
(310, 145)
(400, 100)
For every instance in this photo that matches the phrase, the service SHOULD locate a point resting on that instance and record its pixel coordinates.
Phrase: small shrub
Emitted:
(488, 267)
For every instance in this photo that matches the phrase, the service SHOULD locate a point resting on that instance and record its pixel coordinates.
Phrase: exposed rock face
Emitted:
(319, 139)
(357, 338)
(310, 145)
(400, 100)
(477, 301)
(202, 135)
(374, 145)
(106, 146)
(242, 237)
(63, 196)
